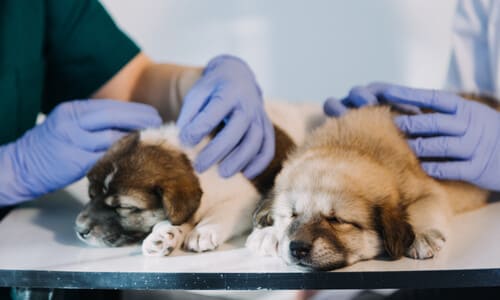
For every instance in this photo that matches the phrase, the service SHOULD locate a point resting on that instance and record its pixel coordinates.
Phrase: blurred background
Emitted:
(300, 50)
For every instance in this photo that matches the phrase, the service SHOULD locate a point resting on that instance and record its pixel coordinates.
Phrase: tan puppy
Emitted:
(354, 191)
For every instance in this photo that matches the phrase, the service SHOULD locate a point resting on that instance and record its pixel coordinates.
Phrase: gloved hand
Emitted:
(360, 96)
(63, 148)
(228, 92)
(465, 133)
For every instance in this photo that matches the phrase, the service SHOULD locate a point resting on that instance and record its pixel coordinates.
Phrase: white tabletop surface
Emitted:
(40, 236)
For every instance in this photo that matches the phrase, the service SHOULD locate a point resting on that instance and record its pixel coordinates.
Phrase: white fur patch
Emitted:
(167, 132)
(109, 177)
(164, 239)
(263, 241)
(168, 136)
(202, 239)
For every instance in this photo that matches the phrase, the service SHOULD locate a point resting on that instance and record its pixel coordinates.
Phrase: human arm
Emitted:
(162, 86)
(117, 70)
(473, 58)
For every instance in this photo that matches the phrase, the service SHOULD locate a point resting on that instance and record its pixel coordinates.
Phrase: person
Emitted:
(460, 139)
(69, 60)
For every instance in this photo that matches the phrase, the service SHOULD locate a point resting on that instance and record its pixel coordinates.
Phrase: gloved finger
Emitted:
(122, 116)
(244, 152)
(334, 108)
(439, 101)
(378, 89)
(265, 154)
(223, 142)
(431, 124)
(445, 147)
(84, 107)
(365, 95)
(360, 96)
(196, 99)
(97, 141)
(218, 107)
(447, 170)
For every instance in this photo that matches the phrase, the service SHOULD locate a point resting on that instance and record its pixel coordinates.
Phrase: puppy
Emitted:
(146, 179)
(355, 191)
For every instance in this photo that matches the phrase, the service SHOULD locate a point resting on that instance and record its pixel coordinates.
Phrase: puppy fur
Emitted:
(355, 191)
(146, 179)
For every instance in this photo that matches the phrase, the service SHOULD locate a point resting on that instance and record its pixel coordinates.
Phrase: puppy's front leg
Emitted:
(164, 238)
(429, 218)
(217, 226)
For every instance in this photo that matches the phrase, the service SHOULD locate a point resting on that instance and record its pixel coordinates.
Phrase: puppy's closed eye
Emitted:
(126, 210)
(336, 220)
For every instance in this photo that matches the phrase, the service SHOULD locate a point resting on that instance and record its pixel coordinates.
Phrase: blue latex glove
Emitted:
(228, 92)
(63, 148)
(360, 96)
(465, 133)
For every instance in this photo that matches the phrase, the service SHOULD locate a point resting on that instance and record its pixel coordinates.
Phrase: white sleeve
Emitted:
(470, 68)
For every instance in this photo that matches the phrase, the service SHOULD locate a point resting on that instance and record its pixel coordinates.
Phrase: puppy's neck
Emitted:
(168, 136)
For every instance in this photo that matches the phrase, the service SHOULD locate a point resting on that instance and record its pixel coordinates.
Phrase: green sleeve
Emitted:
(84, 49)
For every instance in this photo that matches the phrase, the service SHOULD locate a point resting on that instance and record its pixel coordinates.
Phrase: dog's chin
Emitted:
(309, 265)
(324, 266)
(112, 240)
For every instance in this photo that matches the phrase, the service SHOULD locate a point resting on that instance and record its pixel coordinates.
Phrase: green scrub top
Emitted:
(53, 51)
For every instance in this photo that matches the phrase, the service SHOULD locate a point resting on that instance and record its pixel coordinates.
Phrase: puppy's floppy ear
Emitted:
(182, 197)
(397, 234)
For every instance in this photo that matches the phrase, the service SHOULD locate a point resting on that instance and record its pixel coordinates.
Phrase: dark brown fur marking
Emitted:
(265, 181)
(284, 145)
(396, 233)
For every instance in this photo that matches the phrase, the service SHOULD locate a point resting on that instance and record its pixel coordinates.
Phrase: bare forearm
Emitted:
(160, 85)
(164, 86)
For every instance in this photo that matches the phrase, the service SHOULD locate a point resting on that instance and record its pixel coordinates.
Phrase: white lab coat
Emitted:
(475, 59)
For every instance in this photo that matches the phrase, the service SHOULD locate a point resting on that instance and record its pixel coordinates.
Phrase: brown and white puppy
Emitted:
(355, 191)
(146, 179)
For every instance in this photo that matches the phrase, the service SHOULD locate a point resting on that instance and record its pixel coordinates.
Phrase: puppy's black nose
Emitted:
(300, 249)
(83, 233)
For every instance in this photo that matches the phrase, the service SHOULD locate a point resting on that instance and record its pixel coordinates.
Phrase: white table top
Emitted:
(38, 242)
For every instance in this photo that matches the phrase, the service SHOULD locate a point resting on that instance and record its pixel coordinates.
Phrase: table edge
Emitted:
(251, 281)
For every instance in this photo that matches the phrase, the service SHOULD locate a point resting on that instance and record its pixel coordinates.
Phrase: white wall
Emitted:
(300, 49)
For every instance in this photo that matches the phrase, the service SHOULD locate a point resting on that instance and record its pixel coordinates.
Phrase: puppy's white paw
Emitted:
(201, 239)
(426, 244)
(162, 241)
(263, 241)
